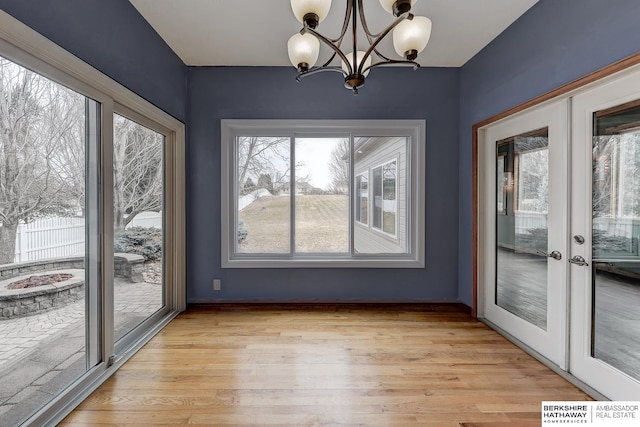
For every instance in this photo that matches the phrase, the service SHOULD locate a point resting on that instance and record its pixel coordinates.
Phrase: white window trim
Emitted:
(414, 130)
(22, 45)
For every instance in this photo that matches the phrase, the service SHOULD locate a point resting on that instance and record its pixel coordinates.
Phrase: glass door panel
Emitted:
(49, 245)
(138, 199)
(524, 272)
(522, 176)
(605, 218)
(615, 237)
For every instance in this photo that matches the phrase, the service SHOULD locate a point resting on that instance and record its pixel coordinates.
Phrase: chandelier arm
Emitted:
(321, 69)
(332, 46)
(381, 36)
(345, 24)
(330, 59)
(365, 27)
(377, 52)
(403, 62)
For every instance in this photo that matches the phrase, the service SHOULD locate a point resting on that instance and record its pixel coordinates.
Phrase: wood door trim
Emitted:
(565, 89)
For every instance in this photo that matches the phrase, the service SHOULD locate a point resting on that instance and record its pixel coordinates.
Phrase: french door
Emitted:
(524, 228)
(560, 252)
(605, 229)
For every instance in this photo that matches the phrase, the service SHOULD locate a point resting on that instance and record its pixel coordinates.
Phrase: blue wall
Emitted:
(555, 42)
(114, 38)
(272, 93)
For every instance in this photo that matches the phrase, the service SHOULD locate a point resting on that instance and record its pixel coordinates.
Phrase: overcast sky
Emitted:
(315, 154)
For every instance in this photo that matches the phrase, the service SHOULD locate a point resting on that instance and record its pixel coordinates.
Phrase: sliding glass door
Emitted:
(139, 286)
(91, 229)
(50, 287)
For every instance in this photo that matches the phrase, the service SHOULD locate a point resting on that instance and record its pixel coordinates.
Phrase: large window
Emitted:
(292, 197)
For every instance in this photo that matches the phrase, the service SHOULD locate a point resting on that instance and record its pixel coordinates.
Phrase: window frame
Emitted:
(413, 130)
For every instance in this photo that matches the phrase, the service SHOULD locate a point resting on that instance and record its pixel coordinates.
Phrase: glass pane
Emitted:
(138, 203)
(322, 195)
(362, 198)
(47, 270)
(389, 202)
(521, 235)
(264, 194)
(384, 161)
(376, 178)
(616, 237)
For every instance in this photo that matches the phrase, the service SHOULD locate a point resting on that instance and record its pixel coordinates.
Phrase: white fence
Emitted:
(147, 219)
(49, 238)
(59, 237)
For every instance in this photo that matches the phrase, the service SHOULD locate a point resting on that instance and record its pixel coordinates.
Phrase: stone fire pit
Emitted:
(31, 300)
(25, 301)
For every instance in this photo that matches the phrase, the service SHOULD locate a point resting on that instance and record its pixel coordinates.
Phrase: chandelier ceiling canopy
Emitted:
(410, 36)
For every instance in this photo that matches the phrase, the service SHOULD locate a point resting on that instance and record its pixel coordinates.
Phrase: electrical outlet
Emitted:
(217, 284)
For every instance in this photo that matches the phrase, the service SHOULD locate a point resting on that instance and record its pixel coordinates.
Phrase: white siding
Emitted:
(375, 152)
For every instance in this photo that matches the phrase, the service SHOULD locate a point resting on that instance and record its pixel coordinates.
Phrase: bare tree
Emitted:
(263, 156)
(34, 123)
(339, 167)
(137, 171)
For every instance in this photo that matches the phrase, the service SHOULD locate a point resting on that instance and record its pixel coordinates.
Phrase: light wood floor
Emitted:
(389, 365)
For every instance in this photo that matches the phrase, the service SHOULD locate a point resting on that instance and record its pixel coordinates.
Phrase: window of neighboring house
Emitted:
(385, 206)
(294, 199)
(362, 198)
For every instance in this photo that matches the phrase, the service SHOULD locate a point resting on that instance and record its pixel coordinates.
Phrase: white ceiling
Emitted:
(255, 32)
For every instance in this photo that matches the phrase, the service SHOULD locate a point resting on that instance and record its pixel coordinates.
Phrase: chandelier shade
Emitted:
(410, 36)
(311, 9)
(359, 56)
(388, 5)
(303, 51)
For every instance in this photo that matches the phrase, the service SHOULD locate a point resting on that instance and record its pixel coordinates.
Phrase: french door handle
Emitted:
(555, 254)
(578, 260)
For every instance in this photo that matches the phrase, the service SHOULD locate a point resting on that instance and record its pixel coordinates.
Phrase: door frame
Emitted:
(628, 65)
(566, 90)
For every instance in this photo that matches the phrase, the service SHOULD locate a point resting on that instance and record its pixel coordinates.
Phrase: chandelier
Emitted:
(410, 36)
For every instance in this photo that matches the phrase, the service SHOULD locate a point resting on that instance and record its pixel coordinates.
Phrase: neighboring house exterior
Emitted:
(380, 173)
